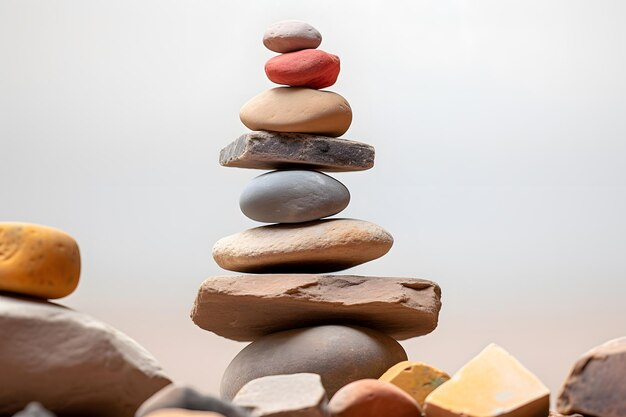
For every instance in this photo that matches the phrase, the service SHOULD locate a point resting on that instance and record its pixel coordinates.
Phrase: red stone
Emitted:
(311, 68)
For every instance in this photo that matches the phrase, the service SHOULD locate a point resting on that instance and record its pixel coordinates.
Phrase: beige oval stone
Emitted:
(318, 246)
(39, 261)
(298, 110)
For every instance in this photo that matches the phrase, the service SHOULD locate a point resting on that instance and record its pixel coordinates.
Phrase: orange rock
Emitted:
(372, 398)
(38, 261)
(311, 68)
(492, 384)
(415, 378)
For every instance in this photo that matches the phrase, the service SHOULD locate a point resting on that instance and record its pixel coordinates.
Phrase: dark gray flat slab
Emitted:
(273, 150)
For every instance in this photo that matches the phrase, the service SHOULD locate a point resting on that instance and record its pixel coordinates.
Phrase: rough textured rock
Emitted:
(596, 385)
(310, 68)
(339, 354)
(298, 110)
(293, 196)
(176, 396)
(301, 395)
(34, 409)
(318, 246)
(291, 35)
(372, 398)
(492, 384)
(399, 307)
(274, 150)
(70, 362)
(415, 378)
(39, 261)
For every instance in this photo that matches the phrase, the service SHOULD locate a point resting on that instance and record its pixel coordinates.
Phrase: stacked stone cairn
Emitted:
(65, 360)
(341, 327)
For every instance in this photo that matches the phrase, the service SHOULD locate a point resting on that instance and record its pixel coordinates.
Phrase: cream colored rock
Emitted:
(492, 384)
(39, 261)
(298, 110)
(415, 378)
(318, 246)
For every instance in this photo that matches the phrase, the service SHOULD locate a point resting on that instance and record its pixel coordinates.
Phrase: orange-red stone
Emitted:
(372, 398)
(311, 68)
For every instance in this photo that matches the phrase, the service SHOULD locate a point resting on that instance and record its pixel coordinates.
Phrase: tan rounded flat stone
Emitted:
(39, 261)
(298, 110)
(318, 246)
(492, 384)
(415, 378)
(399, 307)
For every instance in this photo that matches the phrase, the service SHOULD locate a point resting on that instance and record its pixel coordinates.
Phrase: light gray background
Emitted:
(500, 170)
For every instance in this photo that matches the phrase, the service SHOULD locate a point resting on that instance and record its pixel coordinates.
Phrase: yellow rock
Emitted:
(492, 384)
(415, 378)
(299, 110)
(38, 261)
(181, 412)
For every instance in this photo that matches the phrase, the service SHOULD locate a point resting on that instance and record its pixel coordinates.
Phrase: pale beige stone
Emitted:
(399, 307)
(492, 384)
(298, 110)
(318, 246)
(299, 394)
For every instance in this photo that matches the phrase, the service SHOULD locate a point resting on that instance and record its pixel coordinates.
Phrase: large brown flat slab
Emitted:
(273, 150)
(247, 307)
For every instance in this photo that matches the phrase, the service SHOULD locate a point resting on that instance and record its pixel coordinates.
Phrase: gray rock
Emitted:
(187, 398)
(290, 36)
(293, 197)
(34, 409)
(399, 307)
(339, 354)
(596, 385)
(273, 150)
(70, 362)
(301, 395)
